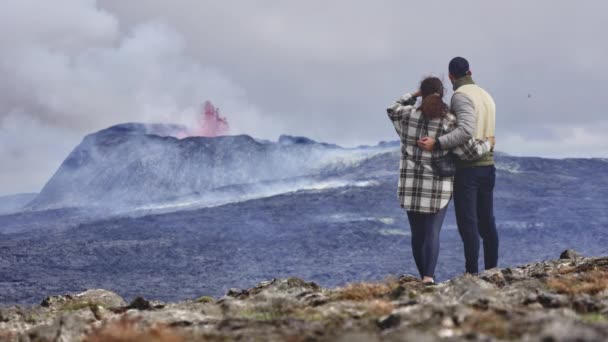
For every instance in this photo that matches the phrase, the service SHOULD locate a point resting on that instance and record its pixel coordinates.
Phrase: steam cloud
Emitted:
(71, 69)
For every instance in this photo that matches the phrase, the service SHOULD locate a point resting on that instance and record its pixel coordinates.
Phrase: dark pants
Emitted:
(425, 240)
(474, 204)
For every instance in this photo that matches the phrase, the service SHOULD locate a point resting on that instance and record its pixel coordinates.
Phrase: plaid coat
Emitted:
(420, 189)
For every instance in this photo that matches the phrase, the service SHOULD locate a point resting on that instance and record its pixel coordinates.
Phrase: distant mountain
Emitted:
(136, 164)
(13, 203)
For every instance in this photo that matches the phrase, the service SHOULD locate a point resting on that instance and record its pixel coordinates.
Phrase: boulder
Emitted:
(66, 328)
(140, 303)
(494, 276)
(569, 254)
(96, 297)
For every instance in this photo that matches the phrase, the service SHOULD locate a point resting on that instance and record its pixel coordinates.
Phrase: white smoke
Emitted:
(68, 68)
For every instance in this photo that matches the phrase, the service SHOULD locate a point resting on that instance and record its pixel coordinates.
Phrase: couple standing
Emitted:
(447, 150)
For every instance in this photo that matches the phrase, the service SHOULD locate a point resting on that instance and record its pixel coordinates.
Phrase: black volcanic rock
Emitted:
(569, 254)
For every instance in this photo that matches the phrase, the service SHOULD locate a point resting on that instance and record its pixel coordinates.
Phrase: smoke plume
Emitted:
(70, 68)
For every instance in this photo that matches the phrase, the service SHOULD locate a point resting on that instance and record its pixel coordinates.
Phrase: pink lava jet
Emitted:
(211, 123)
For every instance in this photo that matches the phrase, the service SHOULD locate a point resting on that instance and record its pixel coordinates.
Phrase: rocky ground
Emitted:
(560, 300)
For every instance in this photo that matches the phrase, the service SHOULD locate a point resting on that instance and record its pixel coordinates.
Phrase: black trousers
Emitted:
(425, 240)
(474, 204)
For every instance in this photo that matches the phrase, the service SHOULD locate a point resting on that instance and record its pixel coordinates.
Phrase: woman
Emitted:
(423, 193)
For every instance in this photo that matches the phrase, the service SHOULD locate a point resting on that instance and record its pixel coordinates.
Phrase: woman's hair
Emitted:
(432, 93)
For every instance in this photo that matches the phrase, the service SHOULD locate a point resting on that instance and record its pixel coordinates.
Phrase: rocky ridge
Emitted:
(558, 300)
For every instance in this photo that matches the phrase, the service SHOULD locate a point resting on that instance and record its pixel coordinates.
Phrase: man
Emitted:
(474, 180)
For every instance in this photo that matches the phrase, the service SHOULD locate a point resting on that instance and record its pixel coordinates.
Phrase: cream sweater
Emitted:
(485, 110)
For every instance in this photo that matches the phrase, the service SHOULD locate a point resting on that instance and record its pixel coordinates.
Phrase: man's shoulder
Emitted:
(487, 98)
(459, 98)
(470, 92)
(470, 88)
(467, 90)
(486, 94)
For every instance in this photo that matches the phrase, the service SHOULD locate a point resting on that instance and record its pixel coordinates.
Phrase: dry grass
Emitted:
(594, 318)
(488, 323)
(585, 267)
(377, 308)
(592, 282)
(127, 331)
(566, 270)
(366, 291)
(6, 335)
(205, 299)
(308, 314)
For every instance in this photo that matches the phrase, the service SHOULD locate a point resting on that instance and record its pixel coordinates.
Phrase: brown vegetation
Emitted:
(488, 323)
(126, 330)
(366, 291)
(380, 307)
(7, 335)
(592, 282)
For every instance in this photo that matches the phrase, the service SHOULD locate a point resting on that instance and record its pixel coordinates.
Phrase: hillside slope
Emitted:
(135, 164)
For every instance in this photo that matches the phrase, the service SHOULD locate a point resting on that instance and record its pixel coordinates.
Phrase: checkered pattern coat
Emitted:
(420, 189)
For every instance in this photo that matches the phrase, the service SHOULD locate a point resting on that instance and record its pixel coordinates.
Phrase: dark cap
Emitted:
(459, 67)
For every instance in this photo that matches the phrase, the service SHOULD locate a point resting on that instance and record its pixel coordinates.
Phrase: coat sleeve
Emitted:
(464, 109)
(401, 108)
(473, 149)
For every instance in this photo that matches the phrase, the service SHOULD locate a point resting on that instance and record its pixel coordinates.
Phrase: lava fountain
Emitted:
(210, 123)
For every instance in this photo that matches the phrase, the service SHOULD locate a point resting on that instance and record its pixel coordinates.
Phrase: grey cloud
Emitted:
(337, 64)
(315, 68)
(68, 69)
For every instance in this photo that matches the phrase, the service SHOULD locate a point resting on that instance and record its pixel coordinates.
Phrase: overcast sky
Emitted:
(318, 68)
